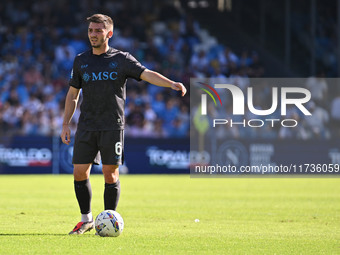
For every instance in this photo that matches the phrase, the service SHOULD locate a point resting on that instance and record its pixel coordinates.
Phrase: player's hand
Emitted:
(65, 135)
(179, 87)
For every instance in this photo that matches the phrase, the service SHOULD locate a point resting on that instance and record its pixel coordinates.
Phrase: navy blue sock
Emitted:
(84, 195)
(111, 195)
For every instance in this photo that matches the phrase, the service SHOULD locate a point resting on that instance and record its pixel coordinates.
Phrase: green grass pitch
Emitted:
(236, 215)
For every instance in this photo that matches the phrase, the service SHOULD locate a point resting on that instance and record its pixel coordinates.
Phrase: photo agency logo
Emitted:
(281, 99)
(204, 97)
(251, 126)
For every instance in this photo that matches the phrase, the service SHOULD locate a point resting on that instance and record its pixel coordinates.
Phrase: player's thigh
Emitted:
(85, 149)
(111, 147)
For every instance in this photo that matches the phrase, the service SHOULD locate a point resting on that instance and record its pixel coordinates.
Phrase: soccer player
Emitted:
(101, 73)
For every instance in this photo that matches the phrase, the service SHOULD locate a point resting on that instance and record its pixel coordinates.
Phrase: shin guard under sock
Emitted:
(111, 195)
(84, 195)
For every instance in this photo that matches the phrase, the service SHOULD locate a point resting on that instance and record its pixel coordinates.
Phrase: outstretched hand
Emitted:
(179, 87)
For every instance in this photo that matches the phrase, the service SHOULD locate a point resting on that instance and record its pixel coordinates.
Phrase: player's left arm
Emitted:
(160, 80)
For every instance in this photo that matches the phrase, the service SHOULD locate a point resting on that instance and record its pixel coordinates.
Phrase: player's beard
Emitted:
(100, 43)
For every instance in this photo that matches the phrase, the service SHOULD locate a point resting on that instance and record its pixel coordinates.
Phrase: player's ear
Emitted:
(109, 34)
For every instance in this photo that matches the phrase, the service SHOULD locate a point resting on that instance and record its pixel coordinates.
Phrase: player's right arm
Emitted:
(70, 107)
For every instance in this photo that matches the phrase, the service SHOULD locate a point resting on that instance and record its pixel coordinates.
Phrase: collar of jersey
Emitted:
(103, 54)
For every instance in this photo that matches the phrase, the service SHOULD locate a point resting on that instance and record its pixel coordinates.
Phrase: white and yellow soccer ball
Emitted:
(109, 223)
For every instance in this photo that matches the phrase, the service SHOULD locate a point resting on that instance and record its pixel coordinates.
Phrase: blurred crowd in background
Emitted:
(326, 29)
(39, 40)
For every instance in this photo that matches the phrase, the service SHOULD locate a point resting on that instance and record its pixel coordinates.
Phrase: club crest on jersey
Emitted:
(86, 77)
(113, 65)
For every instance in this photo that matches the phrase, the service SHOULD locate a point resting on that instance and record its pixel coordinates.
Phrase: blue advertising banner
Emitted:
(157, 156)
(26, 155)
(47, 155)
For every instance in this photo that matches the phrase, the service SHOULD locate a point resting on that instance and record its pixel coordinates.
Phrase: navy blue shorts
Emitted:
(96, 146)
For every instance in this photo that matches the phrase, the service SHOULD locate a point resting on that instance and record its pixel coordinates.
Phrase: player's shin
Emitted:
(111, 195)
(83, 192)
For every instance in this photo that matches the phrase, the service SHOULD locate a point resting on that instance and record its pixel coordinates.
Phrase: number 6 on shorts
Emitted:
(118, 148)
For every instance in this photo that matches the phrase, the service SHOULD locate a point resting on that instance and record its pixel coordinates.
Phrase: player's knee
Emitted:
(111, 178)
(81, 172)
(80, 176)
(111, 173)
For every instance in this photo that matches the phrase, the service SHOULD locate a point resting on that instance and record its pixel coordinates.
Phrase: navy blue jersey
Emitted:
(102, 79)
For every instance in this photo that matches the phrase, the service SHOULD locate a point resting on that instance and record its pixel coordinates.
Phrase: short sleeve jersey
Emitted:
(102, 79)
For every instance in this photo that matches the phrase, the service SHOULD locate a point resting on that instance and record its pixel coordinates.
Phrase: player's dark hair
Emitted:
(101, 18)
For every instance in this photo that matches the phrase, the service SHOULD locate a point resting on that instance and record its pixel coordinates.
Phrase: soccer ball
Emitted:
(109, 223)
